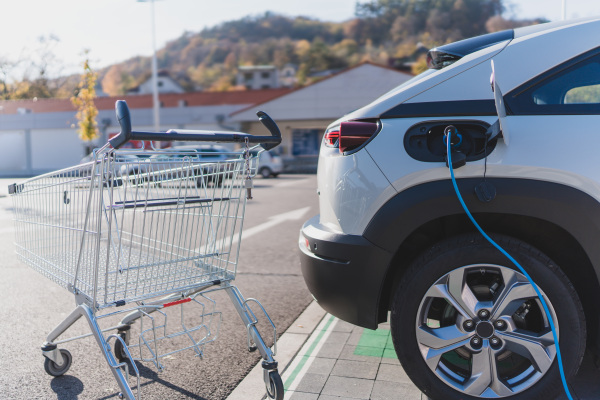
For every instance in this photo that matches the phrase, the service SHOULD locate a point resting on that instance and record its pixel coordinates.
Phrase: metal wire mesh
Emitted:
(134, 225)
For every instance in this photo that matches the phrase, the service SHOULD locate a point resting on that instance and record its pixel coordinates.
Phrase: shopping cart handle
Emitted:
(183, 135)
(268, 122)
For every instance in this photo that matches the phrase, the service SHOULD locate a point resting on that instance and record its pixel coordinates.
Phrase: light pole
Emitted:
(564, 10)
(155, 102)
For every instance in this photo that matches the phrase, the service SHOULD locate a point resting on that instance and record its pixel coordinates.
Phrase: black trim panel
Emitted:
(458, 108)
(573, 210)
(424, 141)
(343, 273)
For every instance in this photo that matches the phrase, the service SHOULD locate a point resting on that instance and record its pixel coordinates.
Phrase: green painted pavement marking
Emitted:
(389, 353)
(390, 343)
(305, 356)
(376, 343)
(368, 351)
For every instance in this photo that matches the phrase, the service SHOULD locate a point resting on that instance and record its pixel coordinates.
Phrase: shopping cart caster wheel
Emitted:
(275, 386)
(53, 369)
(120, 352)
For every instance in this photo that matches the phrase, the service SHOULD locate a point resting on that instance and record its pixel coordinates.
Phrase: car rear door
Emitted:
(552, 122)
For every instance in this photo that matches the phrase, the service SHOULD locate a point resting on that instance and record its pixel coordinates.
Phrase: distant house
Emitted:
(165, 84)
(38, 136)
(304, 113)
(258, 77)
(287, 75)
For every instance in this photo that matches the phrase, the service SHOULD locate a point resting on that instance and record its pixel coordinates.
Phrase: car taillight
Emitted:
(331, 137)
(355, 133)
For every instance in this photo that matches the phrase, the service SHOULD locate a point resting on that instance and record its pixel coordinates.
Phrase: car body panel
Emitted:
(351, 188)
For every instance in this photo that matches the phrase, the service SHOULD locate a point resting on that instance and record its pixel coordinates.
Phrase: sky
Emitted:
(115, 30)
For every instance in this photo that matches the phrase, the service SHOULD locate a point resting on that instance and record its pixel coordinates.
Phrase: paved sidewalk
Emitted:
(324, 358)
(343, 361)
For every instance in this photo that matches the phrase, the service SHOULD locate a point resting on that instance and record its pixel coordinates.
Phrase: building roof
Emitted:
(331, 97)
(145, 101)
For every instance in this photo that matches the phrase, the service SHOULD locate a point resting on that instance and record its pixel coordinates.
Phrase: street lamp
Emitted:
(155, 102)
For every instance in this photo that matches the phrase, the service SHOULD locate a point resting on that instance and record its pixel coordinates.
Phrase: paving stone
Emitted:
(354, 388)
(326, 397)
(312, 383)
(389, 357)
(301, 396)
(355, 337)
(372, 340)
(355, 369)
(392, 373)
(394, 391)
(361, 353)
(338, 337)
(330, 350)
(389, 353)
(322, 366)
(379, 331)
(343, 326)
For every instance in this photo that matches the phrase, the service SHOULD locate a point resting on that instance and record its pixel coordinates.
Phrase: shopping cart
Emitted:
(134, 232)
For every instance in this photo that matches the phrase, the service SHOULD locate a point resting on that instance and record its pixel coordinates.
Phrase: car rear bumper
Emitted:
(344, 273)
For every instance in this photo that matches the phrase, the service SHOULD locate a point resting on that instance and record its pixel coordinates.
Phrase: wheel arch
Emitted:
(559, 220)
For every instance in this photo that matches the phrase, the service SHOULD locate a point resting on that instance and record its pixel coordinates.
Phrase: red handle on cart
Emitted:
(126, 134)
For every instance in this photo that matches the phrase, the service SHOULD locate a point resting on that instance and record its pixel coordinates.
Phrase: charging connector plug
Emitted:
(458, 158)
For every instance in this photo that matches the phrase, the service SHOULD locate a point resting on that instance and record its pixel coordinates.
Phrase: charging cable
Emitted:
(448, 132)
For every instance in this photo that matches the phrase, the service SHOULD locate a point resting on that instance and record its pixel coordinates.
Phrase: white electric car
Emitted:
(392, 239)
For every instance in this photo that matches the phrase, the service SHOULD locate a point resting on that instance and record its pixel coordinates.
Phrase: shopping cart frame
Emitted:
(119, 357)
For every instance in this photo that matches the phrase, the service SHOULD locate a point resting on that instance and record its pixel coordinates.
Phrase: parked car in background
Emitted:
(207, 163)
(270, 164)
(392, 239)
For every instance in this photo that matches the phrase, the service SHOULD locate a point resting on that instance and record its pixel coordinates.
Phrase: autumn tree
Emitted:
(83, 100)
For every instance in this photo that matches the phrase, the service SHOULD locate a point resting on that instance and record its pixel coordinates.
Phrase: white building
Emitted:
(258, 77)
(164, 82)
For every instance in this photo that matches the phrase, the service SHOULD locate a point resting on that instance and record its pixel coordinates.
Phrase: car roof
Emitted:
(539, 28)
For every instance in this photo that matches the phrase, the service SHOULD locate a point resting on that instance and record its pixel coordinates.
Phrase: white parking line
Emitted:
(295, 372)
(291, 182)
(274, 220)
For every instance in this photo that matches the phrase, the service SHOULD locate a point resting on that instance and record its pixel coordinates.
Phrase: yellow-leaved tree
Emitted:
(83, 100)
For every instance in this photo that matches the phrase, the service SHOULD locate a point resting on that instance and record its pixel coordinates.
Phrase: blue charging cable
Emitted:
(448, 132)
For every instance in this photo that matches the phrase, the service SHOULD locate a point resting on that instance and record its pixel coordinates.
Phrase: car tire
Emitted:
(445, 364)
(265, 172)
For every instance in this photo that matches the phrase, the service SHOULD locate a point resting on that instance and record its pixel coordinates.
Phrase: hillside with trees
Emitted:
(388, 32)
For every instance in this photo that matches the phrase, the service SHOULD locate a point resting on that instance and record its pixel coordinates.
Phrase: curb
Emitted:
(288, 345)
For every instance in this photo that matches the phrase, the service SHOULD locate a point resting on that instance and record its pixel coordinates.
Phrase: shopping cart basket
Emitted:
(134, 232)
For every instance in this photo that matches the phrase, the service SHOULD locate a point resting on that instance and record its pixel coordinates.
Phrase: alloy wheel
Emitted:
(482, 330)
